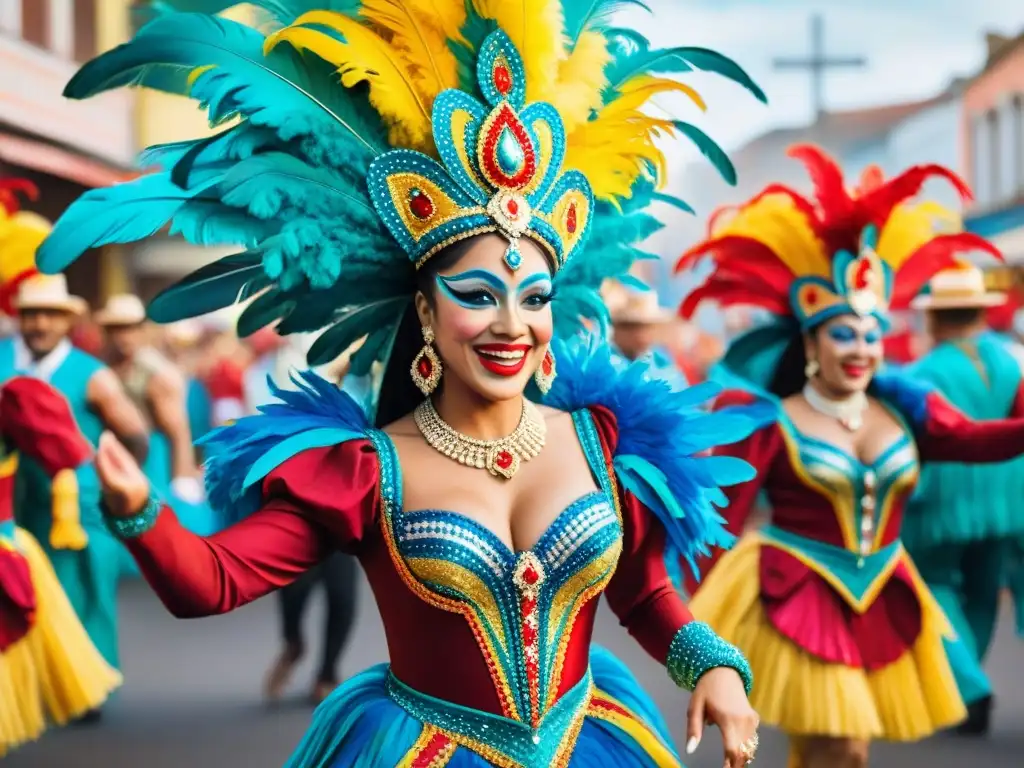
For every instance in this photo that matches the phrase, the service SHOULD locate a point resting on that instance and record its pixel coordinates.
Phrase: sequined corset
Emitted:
(864, 495)
(521, 605)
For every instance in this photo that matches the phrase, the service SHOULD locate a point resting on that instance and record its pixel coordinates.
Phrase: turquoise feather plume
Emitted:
(215, 286)
(581, 15)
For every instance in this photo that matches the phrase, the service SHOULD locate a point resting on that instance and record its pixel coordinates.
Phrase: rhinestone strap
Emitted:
(500, 457)
(137, 524)
(695, 649)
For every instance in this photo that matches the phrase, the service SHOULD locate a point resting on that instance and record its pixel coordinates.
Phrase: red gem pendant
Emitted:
(860, 279)
(530, 575)
(425, 367)
(512, 207)
(503, 460)
(547, 365)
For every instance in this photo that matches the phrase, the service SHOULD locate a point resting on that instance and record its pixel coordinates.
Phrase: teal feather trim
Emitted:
(662, 434)
(226, 281)
(316, 415)
(581, 15)
(710, 149)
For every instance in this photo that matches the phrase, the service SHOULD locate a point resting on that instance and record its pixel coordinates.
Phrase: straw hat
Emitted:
(48, 292)
(122, 309)
(641, 308)
(959, 287)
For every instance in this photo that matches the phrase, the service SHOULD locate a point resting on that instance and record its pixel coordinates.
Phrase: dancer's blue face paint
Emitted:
(483, 289)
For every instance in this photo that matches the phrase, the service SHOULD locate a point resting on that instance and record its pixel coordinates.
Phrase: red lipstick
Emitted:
(855, 371)
(503, 359)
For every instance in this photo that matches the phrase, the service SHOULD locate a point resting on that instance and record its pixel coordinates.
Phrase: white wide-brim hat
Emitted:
(960, 287)
(48, 292)
(641, 308)
(122, 309)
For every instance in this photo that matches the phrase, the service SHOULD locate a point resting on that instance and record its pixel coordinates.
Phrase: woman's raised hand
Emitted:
(125, 487)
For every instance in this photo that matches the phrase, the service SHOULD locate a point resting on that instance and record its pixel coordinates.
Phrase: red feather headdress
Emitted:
(863, 251)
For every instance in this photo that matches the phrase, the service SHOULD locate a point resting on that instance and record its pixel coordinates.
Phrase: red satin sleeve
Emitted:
(758, 450)
(321, 500)
(949, 434)
(37, 421)
(641, 592)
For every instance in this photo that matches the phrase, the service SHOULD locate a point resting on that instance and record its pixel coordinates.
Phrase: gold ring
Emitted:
(749, 748)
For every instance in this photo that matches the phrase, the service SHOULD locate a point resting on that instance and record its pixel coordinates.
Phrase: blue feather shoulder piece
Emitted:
(904, 392)
(315, 415)
(664, 437)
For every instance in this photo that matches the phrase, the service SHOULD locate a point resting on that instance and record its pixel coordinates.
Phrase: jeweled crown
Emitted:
(500, 171)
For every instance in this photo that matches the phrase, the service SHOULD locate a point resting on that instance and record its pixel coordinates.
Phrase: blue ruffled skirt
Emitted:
(374, 721)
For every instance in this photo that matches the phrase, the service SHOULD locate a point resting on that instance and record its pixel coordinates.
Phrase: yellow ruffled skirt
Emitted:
(54, 674)
(802, 695)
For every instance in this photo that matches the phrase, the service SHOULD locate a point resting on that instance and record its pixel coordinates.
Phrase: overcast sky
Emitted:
(914, 48)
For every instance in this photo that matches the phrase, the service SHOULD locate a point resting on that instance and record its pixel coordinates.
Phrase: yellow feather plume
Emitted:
(413, 32)
(778, 224)
(910, 226)
(446, 15)
(535, 27)
(581, 80)
(20, 237)
(366, 57)
(614, 149)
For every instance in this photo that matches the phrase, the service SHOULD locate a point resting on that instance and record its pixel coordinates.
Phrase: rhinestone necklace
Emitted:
(500, 457)
(849, 411)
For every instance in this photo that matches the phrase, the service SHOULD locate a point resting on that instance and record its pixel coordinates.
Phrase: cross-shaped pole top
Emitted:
(818, 63)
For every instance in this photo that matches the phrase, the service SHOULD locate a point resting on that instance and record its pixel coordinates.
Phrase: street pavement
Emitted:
(192, 697)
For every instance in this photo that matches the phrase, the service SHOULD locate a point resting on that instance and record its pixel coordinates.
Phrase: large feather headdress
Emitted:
(323, 97)
(862, 251)
(21, 234)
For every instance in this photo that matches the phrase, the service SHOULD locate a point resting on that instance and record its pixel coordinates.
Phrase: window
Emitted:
(980, 152)
(1017, 191)
(35, 22)
(85, 30)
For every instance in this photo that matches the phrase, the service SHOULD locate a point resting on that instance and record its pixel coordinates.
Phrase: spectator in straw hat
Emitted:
(158, 389)
(638, 325)
(959, 525)
(88, 570)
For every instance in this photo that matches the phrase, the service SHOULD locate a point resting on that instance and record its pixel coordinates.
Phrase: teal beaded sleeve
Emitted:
(695, 649)
(138, 524)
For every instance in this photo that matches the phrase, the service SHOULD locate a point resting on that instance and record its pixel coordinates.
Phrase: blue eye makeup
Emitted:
(481, 289)
(842, 334)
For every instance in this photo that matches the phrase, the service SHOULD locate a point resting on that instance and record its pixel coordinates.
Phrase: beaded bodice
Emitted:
(864, 496)
(520, 605)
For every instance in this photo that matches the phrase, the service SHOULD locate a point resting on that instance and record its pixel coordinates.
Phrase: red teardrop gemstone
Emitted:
(528, 606)
(424, 367)
(530, 575)
(504, 461)
(421, 206)
(570, 219)
(860, 280)
(512, 207)
(812, 297)
(546, 365)
(502, 79)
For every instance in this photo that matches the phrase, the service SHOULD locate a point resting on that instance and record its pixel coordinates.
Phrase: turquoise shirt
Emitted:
(959, 503)
(68, 370)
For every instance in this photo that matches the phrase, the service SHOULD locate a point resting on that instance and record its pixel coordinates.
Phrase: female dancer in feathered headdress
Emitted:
(49, 669)
(846, 641)
(438, 201)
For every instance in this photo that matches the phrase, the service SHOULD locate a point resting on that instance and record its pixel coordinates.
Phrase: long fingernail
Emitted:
(691, 745)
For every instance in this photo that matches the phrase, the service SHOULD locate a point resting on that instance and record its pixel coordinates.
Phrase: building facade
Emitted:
(993, 120)
(65, 147)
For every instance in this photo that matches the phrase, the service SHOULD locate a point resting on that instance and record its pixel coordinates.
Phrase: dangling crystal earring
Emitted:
(811, 369)
(545, 375)
(426, 367)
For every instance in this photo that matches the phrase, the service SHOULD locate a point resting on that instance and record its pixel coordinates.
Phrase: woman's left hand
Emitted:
(720, 699)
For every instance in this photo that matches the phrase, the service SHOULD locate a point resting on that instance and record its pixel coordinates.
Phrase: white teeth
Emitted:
(513, 356)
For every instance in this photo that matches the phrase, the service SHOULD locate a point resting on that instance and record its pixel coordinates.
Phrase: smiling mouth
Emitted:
(503, 359)
(855, 370)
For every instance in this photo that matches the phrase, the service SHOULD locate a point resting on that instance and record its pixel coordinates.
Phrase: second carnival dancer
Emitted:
(847, 643)
(50, 671)
(438, 201)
